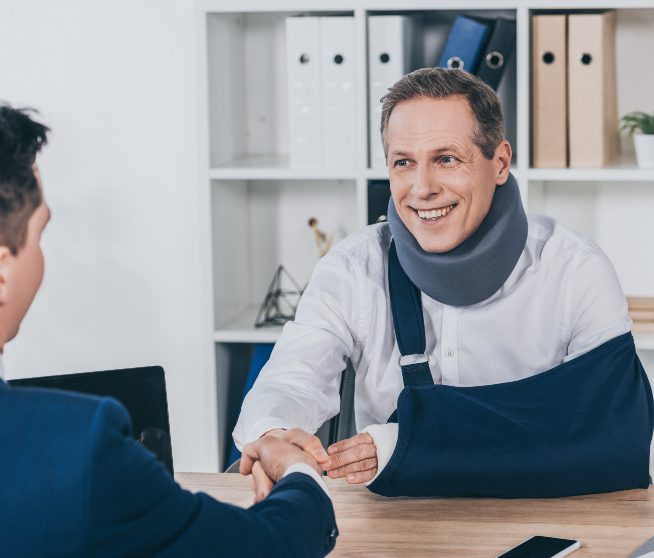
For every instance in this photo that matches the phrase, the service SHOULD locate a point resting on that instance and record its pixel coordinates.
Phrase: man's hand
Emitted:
(260, 482)
(267, 459)
(303, 440)
(354, 458)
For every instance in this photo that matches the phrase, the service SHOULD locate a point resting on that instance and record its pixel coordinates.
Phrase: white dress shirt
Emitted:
(2, 369)
(562, 299)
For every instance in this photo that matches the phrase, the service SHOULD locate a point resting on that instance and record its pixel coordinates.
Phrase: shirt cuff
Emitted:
(385, 438)
(307, 470)
(257, 430)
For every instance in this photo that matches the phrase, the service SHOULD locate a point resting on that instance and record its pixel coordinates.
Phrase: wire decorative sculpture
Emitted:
(279, 305)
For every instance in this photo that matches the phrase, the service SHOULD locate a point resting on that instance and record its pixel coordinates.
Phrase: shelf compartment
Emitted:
(634, 41)
(259, 225)
(248, 89)
(615, 215)
(435, 25)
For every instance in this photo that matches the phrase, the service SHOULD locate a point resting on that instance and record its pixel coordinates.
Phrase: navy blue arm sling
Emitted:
(582, 427)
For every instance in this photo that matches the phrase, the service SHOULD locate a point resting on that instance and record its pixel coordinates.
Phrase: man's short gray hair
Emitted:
(439, 83)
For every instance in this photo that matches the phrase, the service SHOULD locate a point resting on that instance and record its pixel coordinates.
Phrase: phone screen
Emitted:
(542, 547)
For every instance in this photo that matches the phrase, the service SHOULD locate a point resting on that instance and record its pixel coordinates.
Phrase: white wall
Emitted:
(117, 82)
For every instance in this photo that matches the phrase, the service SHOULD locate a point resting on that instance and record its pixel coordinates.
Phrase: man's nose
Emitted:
(426, 182)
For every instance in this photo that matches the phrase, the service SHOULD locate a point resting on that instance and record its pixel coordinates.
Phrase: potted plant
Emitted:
(644, 141)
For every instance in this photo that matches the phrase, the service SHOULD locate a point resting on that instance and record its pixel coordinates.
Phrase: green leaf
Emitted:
(637, 120)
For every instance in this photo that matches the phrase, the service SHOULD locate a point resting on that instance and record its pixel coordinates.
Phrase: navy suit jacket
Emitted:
(74, 483)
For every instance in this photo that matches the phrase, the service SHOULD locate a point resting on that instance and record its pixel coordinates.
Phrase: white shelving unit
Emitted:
(258, 207)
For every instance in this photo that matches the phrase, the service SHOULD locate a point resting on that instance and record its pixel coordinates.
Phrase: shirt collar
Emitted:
(2, 369)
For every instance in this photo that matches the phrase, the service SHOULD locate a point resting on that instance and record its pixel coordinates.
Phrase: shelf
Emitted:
(256, 6)
(260, 206)
(274, 166)
(382, 174)
(586, 4)
(644, 341)
(625, 170)
(393, 5)
(240, 329)
(376, 174)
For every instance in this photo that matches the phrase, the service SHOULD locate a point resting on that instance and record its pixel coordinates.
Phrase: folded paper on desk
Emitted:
(582, 427)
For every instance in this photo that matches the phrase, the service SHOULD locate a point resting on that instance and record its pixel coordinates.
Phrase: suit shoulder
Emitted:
(53, 401)
(62, 416)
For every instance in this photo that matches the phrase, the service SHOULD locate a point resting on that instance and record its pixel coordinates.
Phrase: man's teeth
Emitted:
(435, 213)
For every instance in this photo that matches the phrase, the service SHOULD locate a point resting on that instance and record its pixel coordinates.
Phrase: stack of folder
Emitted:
(393, 51)
(641, 311)
(573, 85)
(480, 46)
(321, 92)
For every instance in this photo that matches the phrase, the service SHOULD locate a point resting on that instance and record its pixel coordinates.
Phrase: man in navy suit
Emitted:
(74, 483)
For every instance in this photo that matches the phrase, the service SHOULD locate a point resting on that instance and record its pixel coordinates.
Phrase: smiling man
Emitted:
(443, 180)
(504, 296)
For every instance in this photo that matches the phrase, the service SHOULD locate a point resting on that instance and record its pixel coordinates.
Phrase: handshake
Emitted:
(268, 458)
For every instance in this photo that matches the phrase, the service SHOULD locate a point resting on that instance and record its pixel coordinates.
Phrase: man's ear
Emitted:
(5, 270)
(502, 160)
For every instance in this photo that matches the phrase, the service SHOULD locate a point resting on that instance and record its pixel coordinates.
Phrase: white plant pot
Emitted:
(644, 150)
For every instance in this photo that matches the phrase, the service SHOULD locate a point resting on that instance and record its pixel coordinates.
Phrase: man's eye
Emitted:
(448, 159)
(401, 163)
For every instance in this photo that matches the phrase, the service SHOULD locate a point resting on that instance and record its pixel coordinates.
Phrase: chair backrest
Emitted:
(141, 390)
(343, 425)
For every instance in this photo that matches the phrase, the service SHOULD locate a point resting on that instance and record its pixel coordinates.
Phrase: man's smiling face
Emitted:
(441, 183)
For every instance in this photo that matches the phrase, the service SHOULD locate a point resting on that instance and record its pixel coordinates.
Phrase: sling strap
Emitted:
(408, 323)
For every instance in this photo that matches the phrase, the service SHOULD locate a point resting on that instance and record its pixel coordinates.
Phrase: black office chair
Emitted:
(141, 390)
(342, 425)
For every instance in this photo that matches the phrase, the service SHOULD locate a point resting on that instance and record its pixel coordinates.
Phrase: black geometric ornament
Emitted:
(280, 304)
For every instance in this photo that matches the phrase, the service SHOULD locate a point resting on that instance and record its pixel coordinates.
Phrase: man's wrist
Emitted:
(272, 431)
(384, 436)
(260, 428)
(307, 469)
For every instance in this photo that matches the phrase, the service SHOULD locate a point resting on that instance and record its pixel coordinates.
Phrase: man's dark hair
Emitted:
(21, 138)
(439, 83)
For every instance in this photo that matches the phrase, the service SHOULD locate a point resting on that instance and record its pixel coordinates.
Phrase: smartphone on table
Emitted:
(542, 547)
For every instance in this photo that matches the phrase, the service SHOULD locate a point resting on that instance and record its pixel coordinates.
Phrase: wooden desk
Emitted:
(607, 525)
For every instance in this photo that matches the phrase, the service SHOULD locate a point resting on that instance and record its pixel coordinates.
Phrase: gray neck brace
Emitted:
(478, 267)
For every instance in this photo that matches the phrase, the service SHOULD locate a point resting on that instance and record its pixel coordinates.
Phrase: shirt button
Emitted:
(450, 353)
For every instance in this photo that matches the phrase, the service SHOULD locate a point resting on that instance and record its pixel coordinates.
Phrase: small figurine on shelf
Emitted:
(280, 304)
(323, 242)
